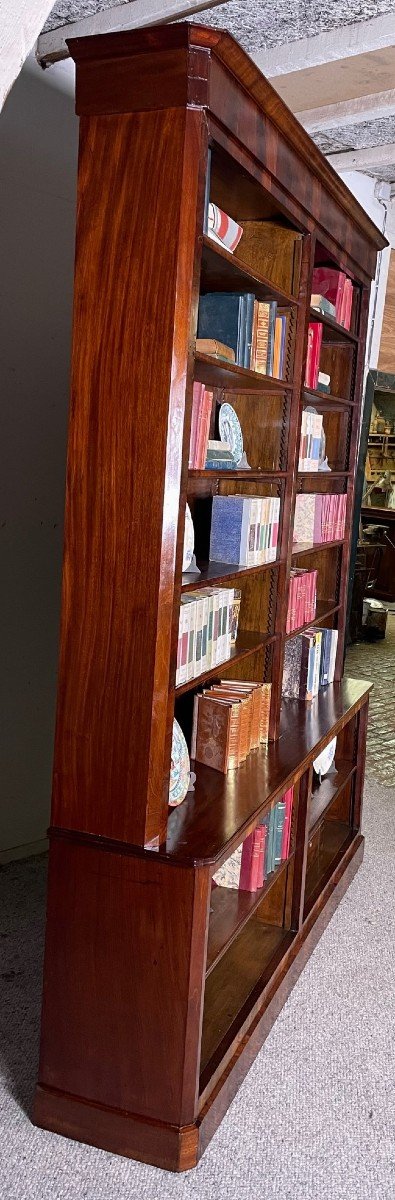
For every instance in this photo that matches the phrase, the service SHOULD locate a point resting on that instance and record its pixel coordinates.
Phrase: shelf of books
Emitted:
(209, 755)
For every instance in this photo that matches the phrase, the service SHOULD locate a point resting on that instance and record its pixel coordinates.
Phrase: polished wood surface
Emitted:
(158, 992)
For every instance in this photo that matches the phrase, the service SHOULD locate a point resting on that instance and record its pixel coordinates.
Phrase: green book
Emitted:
(278, 831)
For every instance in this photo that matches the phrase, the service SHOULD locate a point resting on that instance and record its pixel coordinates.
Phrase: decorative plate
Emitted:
(180, 767)
(230, 430)
(323, 762)
(189, 540)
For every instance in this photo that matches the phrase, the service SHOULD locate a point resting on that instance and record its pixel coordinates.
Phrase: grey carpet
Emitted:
(314, 1119)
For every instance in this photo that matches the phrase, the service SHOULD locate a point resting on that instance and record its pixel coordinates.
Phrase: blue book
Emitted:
(249, 301)
(278, 831)
(230, 522)
(222, 315)
(269, 864)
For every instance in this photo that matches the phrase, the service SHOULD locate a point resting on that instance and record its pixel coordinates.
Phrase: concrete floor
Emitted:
(376, 661)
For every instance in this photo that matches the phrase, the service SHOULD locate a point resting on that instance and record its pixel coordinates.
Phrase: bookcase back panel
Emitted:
(338, 361)
(263, 421)
(337, 428)
(322, 481)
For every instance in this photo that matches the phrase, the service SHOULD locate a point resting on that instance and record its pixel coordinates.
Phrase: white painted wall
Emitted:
(363, 187)
(38, 152)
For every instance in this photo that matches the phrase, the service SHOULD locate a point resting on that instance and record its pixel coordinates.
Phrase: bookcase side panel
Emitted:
(123, 473)
(123, 990)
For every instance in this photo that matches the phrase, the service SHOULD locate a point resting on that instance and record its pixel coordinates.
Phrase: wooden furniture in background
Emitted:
(158, 991)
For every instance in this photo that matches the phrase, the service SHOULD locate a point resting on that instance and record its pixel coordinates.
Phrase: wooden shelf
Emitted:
(221, 573)
(229, 911)
(323, 610)
(213, 820)
(222, 271)
(253, 475)
(323, 794)
(217, 373)
(301, 548)
(336, 836)
(332, 331)
(232, 987)
(325, 400)
(246, 644)
(314, 476)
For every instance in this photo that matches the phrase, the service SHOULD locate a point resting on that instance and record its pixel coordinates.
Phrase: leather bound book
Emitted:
(217, 733)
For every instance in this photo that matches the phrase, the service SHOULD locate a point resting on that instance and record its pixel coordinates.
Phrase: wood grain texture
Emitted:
(132, 338)
(386, 358)
(127, 974)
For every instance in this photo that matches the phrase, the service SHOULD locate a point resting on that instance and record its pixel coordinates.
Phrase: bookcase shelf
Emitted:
(324, 794)
(301, 548)
(153, 1005)
(222, 573)
(246, 644)
(317, 476)
(222, 271)
(217, 373)
(332, 331)
(229, 911)
(324, 610)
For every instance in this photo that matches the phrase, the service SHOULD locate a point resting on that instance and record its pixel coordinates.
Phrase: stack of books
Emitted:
(314, 343)
(222, 228)
(202, 404)
(219, 456)
(302, 598)
(230, 719)
(320, 517)
(244, 529)
(262, 852)
(310, 441)
(333, 294)
(250, 328)
(309, 663)
(207, 630)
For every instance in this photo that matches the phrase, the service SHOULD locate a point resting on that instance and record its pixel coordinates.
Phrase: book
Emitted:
(216, 348)
(202, 403)
(228, 317)
(222, 228)
(314, 342)
(215, 739)
(279, 819)
(331, 284)
(323, 305)
(319, 517)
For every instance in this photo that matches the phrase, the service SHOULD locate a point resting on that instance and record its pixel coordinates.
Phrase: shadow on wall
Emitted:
(38, 151)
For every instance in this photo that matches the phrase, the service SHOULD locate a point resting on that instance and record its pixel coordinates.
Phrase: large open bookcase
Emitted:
(158, 991)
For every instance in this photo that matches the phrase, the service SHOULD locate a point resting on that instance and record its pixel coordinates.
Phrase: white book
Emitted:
(231, 596)
(223, 623)
(183, 634)
(301, 463)
(179, 640)
(204, 598)
(254, 514)
(191, 639)
(332, 660)
(197, 666)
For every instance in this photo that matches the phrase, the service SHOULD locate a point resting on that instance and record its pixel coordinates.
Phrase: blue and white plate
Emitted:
(230, 430)
(322, 764)
(180, 767)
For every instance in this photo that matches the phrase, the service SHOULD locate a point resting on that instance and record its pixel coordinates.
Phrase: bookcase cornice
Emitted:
(183, 67)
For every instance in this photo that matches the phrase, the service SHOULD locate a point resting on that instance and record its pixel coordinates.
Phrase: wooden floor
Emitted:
(376, 661)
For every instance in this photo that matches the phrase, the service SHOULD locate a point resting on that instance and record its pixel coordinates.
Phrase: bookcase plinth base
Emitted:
(179, 1149)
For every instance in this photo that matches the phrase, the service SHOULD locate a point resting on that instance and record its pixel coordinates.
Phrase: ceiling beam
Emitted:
(20, 24)
(358, 38)
(369, 159)
(348, 112)
(135, 14)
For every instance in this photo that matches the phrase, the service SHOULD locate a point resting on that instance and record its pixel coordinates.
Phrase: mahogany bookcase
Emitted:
(158, 990)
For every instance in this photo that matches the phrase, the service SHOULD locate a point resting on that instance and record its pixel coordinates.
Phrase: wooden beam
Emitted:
(349, 112)
(358, 38)
(360, 160)
(51, 46)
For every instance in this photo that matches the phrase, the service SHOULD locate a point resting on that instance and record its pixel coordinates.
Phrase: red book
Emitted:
(198, 389)
(246, 866)
(314, 342)
(203, 429)
(329, 282)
